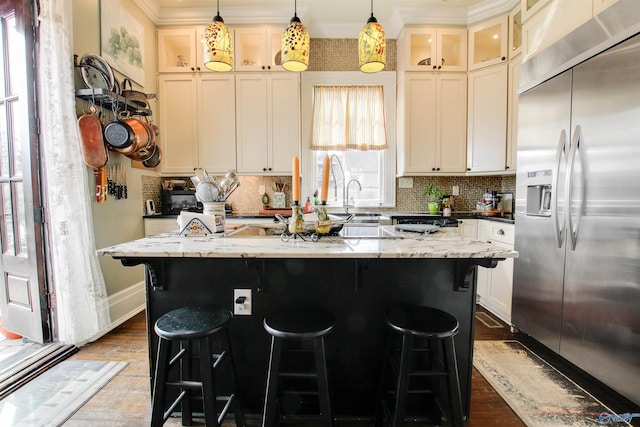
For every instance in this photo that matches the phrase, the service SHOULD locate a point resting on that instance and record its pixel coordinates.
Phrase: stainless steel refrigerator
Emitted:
(577, 218)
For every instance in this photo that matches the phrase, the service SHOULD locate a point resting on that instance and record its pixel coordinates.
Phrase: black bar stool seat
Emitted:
(437, 328)
(300, 324)
(186, 326)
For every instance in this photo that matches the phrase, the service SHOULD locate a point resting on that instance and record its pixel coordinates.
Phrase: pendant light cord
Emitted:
(295, 8)
(372, 8)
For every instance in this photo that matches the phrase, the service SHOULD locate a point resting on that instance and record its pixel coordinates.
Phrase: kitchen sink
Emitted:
(365, 217)
(355, 230)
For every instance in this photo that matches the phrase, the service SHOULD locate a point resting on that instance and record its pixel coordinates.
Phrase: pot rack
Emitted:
(107, 99)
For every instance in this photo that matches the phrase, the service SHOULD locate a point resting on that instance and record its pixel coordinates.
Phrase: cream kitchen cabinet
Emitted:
(488, 42)
(512, 113)
(468, 227)
(495, 285)
(432, 49)
(258, 48)
(197, 122)
(432, 118)
(487, 127)
(268, 122)
(515, 33)
(153, 226)
(180, 50)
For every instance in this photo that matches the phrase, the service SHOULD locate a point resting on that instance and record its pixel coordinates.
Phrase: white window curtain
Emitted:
(81, 297)
(348, 118)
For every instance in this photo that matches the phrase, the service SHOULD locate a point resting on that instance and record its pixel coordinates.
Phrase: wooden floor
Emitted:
(125, 401)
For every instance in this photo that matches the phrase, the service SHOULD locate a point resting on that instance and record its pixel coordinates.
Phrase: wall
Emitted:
(116, 221)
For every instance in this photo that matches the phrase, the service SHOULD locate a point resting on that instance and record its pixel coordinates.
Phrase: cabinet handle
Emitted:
(500, 232)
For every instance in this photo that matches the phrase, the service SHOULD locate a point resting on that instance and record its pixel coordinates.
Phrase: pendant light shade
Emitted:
(295, 45)
(218, 45)
(372, 49)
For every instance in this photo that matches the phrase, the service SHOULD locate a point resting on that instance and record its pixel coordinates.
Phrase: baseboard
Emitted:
(125, 304)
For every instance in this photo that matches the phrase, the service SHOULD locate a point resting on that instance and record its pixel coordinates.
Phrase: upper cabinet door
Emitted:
(178, 51)
(515, 33)
(258, 48)
(433, 49)
(488, 43)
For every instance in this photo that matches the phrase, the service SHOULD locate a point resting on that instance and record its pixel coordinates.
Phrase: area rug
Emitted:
(58, 393)
(538, 393)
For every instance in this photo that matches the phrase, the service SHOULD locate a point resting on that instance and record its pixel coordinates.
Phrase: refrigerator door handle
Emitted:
(571, 229)
(558, 225)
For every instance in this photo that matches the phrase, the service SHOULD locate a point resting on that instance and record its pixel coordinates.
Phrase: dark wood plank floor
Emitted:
(125, 401)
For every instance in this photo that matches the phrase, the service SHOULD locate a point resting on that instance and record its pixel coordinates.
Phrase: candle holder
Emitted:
(324, 223)
(296, 223)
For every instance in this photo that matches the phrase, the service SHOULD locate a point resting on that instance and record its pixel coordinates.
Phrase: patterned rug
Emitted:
(58, 393)
(537, 392)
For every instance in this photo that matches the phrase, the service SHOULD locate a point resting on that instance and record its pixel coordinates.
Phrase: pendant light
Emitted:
(295, 44)
(372, 49)
(218, 45)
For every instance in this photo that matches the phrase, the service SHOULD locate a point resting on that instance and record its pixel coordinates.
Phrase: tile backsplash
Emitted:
(246, 199)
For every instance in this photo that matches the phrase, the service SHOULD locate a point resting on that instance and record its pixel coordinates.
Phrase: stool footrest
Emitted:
(177, 357)
(229, 401)
(300, 374)
(175, 403)
(185, 384)
(304, 392)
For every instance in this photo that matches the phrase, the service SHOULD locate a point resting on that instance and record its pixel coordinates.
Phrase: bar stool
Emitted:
(186, 326)
(300, 324)
(438, 329)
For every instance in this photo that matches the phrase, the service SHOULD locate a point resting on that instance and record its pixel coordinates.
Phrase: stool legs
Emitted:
(271, 402)
(402, 388)
(238, 413)
(454, 383)
(270, 413)
(208, 383)
(323, 382)
(159, 391)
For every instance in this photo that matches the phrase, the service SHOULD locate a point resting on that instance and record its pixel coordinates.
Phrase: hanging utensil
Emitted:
(124, 183)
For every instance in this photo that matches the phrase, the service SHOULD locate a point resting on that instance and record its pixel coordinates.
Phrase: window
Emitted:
(373, 169)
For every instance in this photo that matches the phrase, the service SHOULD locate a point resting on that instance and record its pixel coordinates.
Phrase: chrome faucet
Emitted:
(348, 205)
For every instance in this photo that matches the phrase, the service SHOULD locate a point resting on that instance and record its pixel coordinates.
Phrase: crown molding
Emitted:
(401, 16)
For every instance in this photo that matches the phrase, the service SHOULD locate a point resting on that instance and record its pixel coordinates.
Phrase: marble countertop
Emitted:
(442, 244)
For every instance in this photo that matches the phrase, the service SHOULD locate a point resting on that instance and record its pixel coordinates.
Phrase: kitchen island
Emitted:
(356, 279)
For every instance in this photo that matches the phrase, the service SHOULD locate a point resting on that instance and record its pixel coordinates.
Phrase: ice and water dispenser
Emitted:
(539, 200)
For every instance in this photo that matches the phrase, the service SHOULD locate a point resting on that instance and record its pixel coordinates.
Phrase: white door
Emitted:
(23, 301)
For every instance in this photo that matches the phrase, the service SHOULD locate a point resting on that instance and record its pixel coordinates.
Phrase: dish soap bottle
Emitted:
(307, 206)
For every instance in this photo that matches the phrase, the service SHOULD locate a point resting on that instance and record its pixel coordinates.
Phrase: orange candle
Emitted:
(296, 180)
(325, 179)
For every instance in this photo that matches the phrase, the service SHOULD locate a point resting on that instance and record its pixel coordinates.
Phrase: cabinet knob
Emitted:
(264, 169)
(198, 68)
(504, 57)
(506, 167)
(193, 69)
(434, 67)
(433, 169)
(437, 169)
(269, 168)
(439, 67)
(263, 67)
(268, 67)
(468, 169)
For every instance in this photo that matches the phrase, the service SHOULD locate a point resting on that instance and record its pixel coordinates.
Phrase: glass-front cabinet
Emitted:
(179, 50)
(258, 48)
(488, 43)
(515, 33)
(432, 49)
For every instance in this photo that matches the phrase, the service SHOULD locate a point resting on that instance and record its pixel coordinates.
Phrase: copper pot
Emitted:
(140, 137)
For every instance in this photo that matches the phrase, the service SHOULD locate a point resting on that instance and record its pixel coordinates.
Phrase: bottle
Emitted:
(307, 206)
(316, 200)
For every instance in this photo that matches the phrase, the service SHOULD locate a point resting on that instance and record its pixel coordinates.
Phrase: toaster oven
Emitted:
(175, 201)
